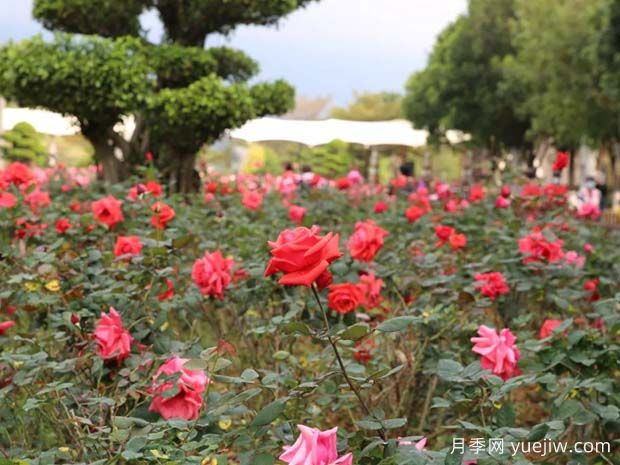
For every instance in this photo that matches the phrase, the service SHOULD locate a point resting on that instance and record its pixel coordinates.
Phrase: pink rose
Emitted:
(296, 214)
(502, 202)
(191, 384)
(315, 447)
(213, 273)
(252, 200)
(113, 339)
(5, 326)
(499, 351)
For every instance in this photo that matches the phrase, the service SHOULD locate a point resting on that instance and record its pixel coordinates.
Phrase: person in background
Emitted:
(601, 185)
(588, 193)
(354, 176)
(404, 182)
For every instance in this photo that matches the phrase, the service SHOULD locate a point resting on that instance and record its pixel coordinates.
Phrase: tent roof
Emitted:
(43, 121)
(311, 133)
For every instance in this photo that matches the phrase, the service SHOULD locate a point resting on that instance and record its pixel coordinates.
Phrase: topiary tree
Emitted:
(25, 145)
(331, 160)
(180, 94)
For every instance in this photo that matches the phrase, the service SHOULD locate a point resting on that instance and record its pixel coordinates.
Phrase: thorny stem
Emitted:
(341, 363)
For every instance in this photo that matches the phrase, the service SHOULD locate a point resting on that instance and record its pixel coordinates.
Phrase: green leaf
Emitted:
(195, 364)
(270, 412)
(354, 332)
(394, 423)
(400, 323)
(449, 369)
(506, 415)
(263, 459)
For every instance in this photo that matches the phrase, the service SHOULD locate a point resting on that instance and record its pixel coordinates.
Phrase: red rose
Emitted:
(108, 211)
(345, 297)
(363, 350)
(296, 213)
(366, 241)
(561, 161)
(505, 192)
(213, 274)
(457, 241)
(168, 293)
(476, 193)
(162, 215)
(414, 213)
(371, 287)
(302, 255)
(443, 233)
(380, 207)
(5, 326)
(324, 280)
(7, 200)
(548, 327)
(19, 174)
(491, 284)
(343, 183)
(592, 287)
(128, 246)
(62, 225)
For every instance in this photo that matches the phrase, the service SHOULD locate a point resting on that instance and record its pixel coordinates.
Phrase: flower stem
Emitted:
(341, 363)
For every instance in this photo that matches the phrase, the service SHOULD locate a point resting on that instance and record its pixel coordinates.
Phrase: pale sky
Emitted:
(330, 48)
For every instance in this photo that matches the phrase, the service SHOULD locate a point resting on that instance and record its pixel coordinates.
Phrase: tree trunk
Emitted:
(113, 170)
(183, 178)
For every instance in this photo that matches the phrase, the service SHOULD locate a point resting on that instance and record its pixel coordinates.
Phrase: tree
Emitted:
(461, 86)
(381, 106)
(25, 145)
(180, 94)
(95, 79)
(554, 66)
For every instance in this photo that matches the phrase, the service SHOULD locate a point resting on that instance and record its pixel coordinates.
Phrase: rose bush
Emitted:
(142, 328)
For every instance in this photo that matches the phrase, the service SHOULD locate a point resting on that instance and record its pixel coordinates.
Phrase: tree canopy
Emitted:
(181, 94)
(368, 106)
(461, 87)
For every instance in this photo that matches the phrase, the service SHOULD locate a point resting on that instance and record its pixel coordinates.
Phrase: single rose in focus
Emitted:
(499, 352)
(302, 255)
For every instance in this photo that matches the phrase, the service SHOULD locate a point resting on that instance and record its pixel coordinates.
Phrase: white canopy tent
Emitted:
(370, 134)
(312, 133)
(45, 122)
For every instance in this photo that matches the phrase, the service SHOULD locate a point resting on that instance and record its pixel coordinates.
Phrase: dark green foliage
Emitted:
(25, 145)
(95, 79)
(101, 79)
(333, 159)
(108, 18)
(462, 85)
(188, 22)
(178, 66)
